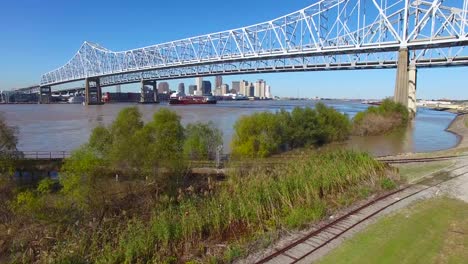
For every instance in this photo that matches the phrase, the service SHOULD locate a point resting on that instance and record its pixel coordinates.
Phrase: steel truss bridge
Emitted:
(327, 35)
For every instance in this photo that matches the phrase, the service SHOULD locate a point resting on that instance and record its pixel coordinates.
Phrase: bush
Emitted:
(382, 119)
(258, 135)
(264, 134)
(202, 141)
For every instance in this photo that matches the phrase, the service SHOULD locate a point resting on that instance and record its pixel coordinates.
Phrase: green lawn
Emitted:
(432, 231)
(415, 171)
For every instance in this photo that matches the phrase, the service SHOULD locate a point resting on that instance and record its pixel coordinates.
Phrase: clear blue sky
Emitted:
(37, 36)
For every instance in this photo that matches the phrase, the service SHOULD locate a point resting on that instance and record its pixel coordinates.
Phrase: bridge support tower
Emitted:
(93, 92)
(405, 86)
(45, 94)
(149, 95)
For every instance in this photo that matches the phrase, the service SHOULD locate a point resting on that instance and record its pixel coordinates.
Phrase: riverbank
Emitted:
(458, 128)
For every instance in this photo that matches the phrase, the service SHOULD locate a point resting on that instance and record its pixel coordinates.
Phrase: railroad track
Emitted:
(322, 236)
(416, 160)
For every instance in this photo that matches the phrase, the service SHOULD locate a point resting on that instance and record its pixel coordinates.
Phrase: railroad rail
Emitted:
(416, 160)
(322, 236)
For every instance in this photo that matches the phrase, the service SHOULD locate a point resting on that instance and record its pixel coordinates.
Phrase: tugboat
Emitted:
(192, 99)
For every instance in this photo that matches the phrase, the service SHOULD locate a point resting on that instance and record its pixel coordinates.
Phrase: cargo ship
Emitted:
(187, 100)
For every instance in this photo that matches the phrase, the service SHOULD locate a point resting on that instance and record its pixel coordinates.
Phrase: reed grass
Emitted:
(242, 209)
(247, 206)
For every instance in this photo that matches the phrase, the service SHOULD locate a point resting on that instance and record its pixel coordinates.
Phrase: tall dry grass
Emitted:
(248, 206)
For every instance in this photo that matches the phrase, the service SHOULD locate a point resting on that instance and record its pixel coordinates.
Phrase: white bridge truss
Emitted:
(328, 35)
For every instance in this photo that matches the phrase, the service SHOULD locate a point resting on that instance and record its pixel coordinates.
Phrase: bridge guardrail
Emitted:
(38, 155)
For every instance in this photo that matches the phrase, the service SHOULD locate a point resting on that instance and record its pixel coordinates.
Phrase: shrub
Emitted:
(258, 135)
(264, 134)
(382, 119)
(202, 141)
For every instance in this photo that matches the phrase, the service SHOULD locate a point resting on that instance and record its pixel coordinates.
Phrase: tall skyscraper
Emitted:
(199, 83)
(218, 81)
(192, 88)
(163, 87)
(244, 88)
(206, 87)
(224, 89)
(118, 89)
(251, 90)
(236, 86)
(260, 86)
(268, 92)
(181, 88)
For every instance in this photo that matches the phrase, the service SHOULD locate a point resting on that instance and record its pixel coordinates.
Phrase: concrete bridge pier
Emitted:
(405, 86)
(149, 96)
(45, 94)
(93, 92)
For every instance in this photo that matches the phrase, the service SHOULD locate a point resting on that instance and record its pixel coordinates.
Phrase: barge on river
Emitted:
(188, 100)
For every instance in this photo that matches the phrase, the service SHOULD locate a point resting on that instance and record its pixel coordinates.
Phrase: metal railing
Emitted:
(37, 155)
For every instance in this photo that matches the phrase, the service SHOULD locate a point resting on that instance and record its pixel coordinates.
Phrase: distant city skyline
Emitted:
(38, 37)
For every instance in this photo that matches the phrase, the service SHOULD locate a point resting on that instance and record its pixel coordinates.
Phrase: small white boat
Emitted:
(77, 99)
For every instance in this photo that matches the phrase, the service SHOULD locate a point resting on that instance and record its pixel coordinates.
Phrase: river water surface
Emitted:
(64, 127)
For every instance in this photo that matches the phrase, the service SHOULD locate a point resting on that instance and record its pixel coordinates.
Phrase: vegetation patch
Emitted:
(142, 226)
(432, 231)
(380, 119)
(125, 196)
(264, 134)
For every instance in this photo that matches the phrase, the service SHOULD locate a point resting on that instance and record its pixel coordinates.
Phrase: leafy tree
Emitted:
(8, 136)
(122, 154)
(304, 124)
(80, 175)
(258, 135)
(264, 134)
(165, 139)
(332, 125)
(202, 141)
(101, 140)
(8, 142)
(8, 150)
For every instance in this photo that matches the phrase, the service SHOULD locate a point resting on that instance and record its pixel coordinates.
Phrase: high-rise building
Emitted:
(244, 88)
(206, 87)
(260, 86)
(251, 90)
(181, 88)
(217, 92)
(192, 88)
(236, 86)
(118, 89)
(199, 84)
(224, 89)
(218, 81)
(268, 92)
(163, 87)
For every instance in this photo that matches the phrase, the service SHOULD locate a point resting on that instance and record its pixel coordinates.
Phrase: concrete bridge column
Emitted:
(93, 93)
(412, 80)
(405, 85)
(45, 94)
(149, 96)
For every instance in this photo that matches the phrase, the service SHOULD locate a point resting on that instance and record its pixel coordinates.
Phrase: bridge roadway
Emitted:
(327, 35)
